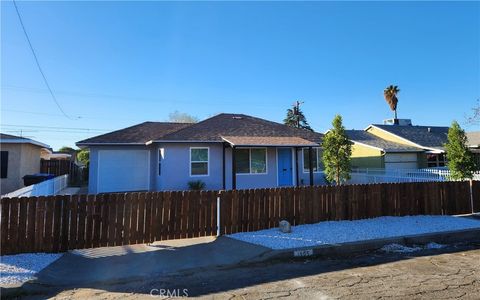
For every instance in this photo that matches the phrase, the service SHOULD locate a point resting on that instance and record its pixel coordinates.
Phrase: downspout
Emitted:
(223, 166)
(310, 164)
(234, 169)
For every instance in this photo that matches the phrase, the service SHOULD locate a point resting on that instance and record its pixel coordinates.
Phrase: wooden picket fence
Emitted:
(61, 223)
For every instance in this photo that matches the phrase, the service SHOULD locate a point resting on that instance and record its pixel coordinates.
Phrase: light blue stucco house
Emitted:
(227, 151)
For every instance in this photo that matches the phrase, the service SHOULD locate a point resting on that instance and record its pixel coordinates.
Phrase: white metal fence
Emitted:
(44, 188)
(361, 176)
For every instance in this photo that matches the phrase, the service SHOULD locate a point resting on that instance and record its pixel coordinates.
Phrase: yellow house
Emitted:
(371, 151)
(398, 146)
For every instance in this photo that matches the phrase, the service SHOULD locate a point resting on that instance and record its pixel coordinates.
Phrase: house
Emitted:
(431, 139)
(371, 151)
(399, 145)
(20, 156)
(227, 151)
(474, 145)
(49, 154)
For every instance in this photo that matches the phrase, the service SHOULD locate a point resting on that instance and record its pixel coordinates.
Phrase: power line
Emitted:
(38, 63)
(55, 127)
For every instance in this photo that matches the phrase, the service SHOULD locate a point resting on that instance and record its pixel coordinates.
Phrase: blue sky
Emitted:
(115, 64)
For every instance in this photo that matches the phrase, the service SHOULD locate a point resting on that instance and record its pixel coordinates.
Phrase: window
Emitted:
(4, 164)
(436, 160)
(251, 161)
(160, 158)
(317, 160)
(199, 161)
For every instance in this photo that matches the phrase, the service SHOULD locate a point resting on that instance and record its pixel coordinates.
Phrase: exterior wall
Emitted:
(367, 157)
(422, 160)
(389, 137)
(23, 159)
(304, 177)
(251, 181)
(176, 166)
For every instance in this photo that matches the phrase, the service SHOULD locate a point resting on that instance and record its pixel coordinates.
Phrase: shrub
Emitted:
(196, 185)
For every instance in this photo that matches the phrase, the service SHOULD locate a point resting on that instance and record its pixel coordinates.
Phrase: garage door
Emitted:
(123, 170)
(400, 161)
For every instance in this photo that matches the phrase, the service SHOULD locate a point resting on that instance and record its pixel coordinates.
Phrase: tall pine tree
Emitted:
(460, 160)
(296, 118)
(337, 152)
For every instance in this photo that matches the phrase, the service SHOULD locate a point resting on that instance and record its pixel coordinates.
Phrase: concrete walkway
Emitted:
(117, 264)
(73, 191)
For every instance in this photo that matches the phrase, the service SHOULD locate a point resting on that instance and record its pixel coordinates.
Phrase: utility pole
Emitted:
(296, 111)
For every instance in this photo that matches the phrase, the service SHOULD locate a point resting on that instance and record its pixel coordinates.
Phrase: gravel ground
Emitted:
(16, 269)
(334, 232)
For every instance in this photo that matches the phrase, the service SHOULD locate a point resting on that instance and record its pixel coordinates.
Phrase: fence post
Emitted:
(471, 195)
(218, 213)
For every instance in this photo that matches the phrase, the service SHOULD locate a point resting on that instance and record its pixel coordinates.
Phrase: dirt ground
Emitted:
(430, 274)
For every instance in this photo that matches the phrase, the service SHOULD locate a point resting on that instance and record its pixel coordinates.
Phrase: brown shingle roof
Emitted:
(214, 128)
(209, 130)
(140, 133)
(267, 141)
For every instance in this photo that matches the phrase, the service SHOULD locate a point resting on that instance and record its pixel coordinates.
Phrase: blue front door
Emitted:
(284, 162)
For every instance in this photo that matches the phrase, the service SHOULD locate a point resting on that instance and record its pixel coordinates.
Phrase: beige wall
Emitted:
(23, 159)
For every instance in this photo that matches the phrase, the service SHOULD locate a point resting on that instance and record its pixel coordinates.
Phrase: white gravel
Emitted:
(405, 249)
(335, 232)
(19, 268)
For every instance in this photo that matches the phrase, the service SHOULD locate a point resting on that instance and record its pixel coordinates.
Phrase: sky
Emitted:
(116, 64)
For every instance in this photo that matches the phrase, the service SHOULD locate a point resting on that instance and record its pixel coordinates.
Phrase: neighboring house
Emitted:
(474, 145)
(399, 146)
(371, 151)
(19, 157)
(48, 154)
(227, 151)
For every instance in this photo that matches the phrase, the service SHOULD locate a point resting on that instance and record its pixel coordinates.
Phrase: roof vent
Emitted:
(237, 117)
(429, 129)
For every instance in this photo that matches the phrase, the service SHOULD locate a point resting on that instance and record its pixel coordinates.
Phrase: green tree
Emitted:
(460, 160)
(296, 118)
(337, 152)
(180, 117)
(390, 94)
(84, 156)
(66, 149)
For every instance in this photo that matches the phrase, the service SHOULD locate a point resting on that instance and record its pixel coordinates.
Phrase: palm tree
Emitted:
(390, 94)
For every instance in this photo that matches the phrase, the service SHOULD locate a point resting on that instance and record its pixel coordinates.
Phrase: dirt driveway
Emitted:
(431, 274)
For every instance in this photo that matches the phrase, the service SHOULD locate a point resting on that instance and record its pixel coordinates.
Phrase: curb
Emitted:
(351, 248)
(330, 250)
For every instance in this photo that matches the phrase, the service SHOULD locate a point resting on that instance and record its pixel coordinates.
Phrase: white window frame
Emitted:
(208, 162)
(250, 160)
(306, 169)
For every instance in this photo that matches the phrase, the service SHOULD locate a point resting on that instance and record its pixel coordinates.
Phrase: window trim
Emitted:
(208, 162)
(6, 167)
(307, 170)
(250, 160)
(161, 153)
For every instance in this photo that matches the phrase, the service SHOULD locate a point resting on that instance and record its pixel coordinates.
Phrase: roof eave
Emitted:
(24, 141)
